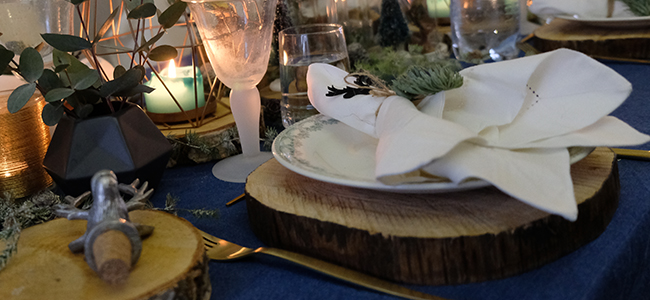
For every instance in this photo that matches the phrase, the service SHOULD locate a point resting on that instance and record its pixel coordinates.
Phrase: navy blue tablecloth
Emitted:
(614, 266)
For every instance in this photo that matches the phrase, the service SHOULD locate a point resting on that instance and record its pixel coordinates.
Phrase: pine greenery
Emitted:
(14, 217)
(420, 81)
(214, 147)
(393, 29)
(638, 7)
(269, 136)
(412, 74)
(388, 64)
(171, 207)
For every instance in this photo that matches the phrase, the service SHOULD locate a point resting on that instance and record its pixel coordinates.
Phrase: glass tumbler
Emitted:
(484, 29)
(301, 46)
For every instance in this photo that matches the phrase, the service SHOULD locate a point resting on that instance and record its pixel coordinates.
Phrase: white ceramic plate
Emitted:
(325, 149)
(628, 22)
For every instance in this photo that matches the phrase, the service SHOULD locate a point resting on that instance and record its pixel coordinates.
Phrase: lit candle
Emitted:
(180, 82)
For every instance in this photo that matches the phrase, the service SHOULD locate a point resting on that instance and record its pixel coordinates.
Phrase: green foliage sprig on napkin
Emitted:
(71, 87)
(411, 74)
(638, 7)
(419, 81)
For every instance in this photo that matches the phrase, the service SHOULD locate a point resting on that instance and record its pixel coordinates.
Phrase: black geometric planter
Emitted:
(126, 142)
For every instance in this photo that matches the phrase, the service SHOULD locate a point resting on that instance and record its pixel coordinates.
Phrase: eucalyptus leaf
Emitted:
(107, 25)
(171, 15)
(150, 42)
(58, 94)
(87, 78)
(87, 96)
(31, 64)
(118, 71)
(163, 53)
(84, 111)
(132, 4)
(49, 80)
(73, 100)
(76, 2)
(60, 58)
(52, 113)
(60, 68)
(103, 45)
(20, 96)
(66, 42)
(141, 88)
(129, 80)
(5, 57)
(76, 72)
(146, 10)
(142, 70)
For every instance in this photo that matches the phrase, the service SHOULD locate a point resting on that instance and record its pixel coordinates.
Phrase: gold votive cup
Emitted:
(24, 139)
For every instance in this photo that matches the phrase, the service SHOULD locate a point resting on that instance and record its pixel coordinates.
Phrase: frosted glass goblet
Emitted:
(237, 37)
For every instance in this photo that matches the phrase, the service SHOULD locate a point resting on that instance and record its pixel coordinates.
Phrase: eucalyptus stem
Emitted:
(135, 43)
(92, 52)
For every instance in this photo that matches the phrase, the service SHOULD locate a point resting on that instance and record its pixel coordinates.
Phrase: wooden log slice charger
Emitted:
(614, 42)
(172, 265)
(432, 239)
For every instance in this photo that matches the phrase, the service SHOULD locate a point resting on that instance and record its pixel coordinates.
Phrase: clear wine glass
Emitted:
(237, 37)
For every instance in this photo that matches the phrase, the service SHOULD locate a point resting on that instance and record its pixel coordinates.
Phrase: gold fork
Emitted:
(219, 249)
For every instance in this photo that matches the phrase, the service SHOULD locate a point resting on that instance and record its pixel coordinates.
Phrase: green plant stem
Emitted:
(145, 59)
(92, 52)
(136, 45)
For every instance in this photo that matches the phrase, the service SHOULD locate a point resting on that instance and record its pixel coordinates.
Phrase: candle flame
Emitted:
(285, 57)
(171, 69)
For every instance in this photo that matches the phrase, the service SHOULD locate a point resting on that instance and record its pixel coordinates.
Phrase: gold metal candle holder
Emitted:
(23, 143)
(119, 44)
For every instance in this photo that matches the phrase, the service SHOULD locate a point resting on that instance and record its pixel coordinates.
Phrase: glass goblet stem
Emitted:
(245, 106)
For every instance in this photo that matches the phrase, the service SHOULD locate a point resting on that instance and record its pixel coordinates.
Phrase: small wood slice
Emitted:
(432, 239)
(632, 43)
(172, 265)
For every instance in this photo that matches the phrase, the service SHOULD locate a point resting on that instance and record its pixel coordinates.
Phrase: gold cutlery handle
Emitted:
(632, 154)
(347, 274)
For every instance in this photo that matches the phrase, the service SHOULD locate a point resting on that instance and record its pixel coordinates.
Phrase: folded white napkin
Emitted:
(580, 8)
(509, 124)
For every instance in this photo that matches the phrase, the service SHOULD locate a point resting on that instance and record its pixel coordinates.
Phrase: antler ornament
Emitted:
(112, 243)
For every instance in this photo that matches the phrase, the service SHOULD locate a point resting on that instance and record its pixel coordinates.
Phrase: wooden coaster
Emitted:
(213, 124)
(172, 265)
(632, 43)
(432, 239)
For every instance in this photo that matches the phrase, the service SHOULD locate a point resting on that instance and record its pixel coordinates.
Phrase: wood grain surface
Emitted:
(172, 265)
(430, 239)
(632, 43)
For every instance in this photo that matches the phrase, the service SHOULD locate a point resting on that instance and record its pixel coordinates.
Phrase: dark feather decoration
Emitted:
(348, 92)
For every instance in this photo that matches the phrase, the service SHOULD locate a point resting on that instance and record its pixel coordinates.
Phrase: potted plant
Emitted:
(99, 127)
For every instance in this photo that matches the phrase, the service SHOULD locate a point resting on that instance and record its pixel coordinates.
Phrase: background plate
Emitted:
(630, 22)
